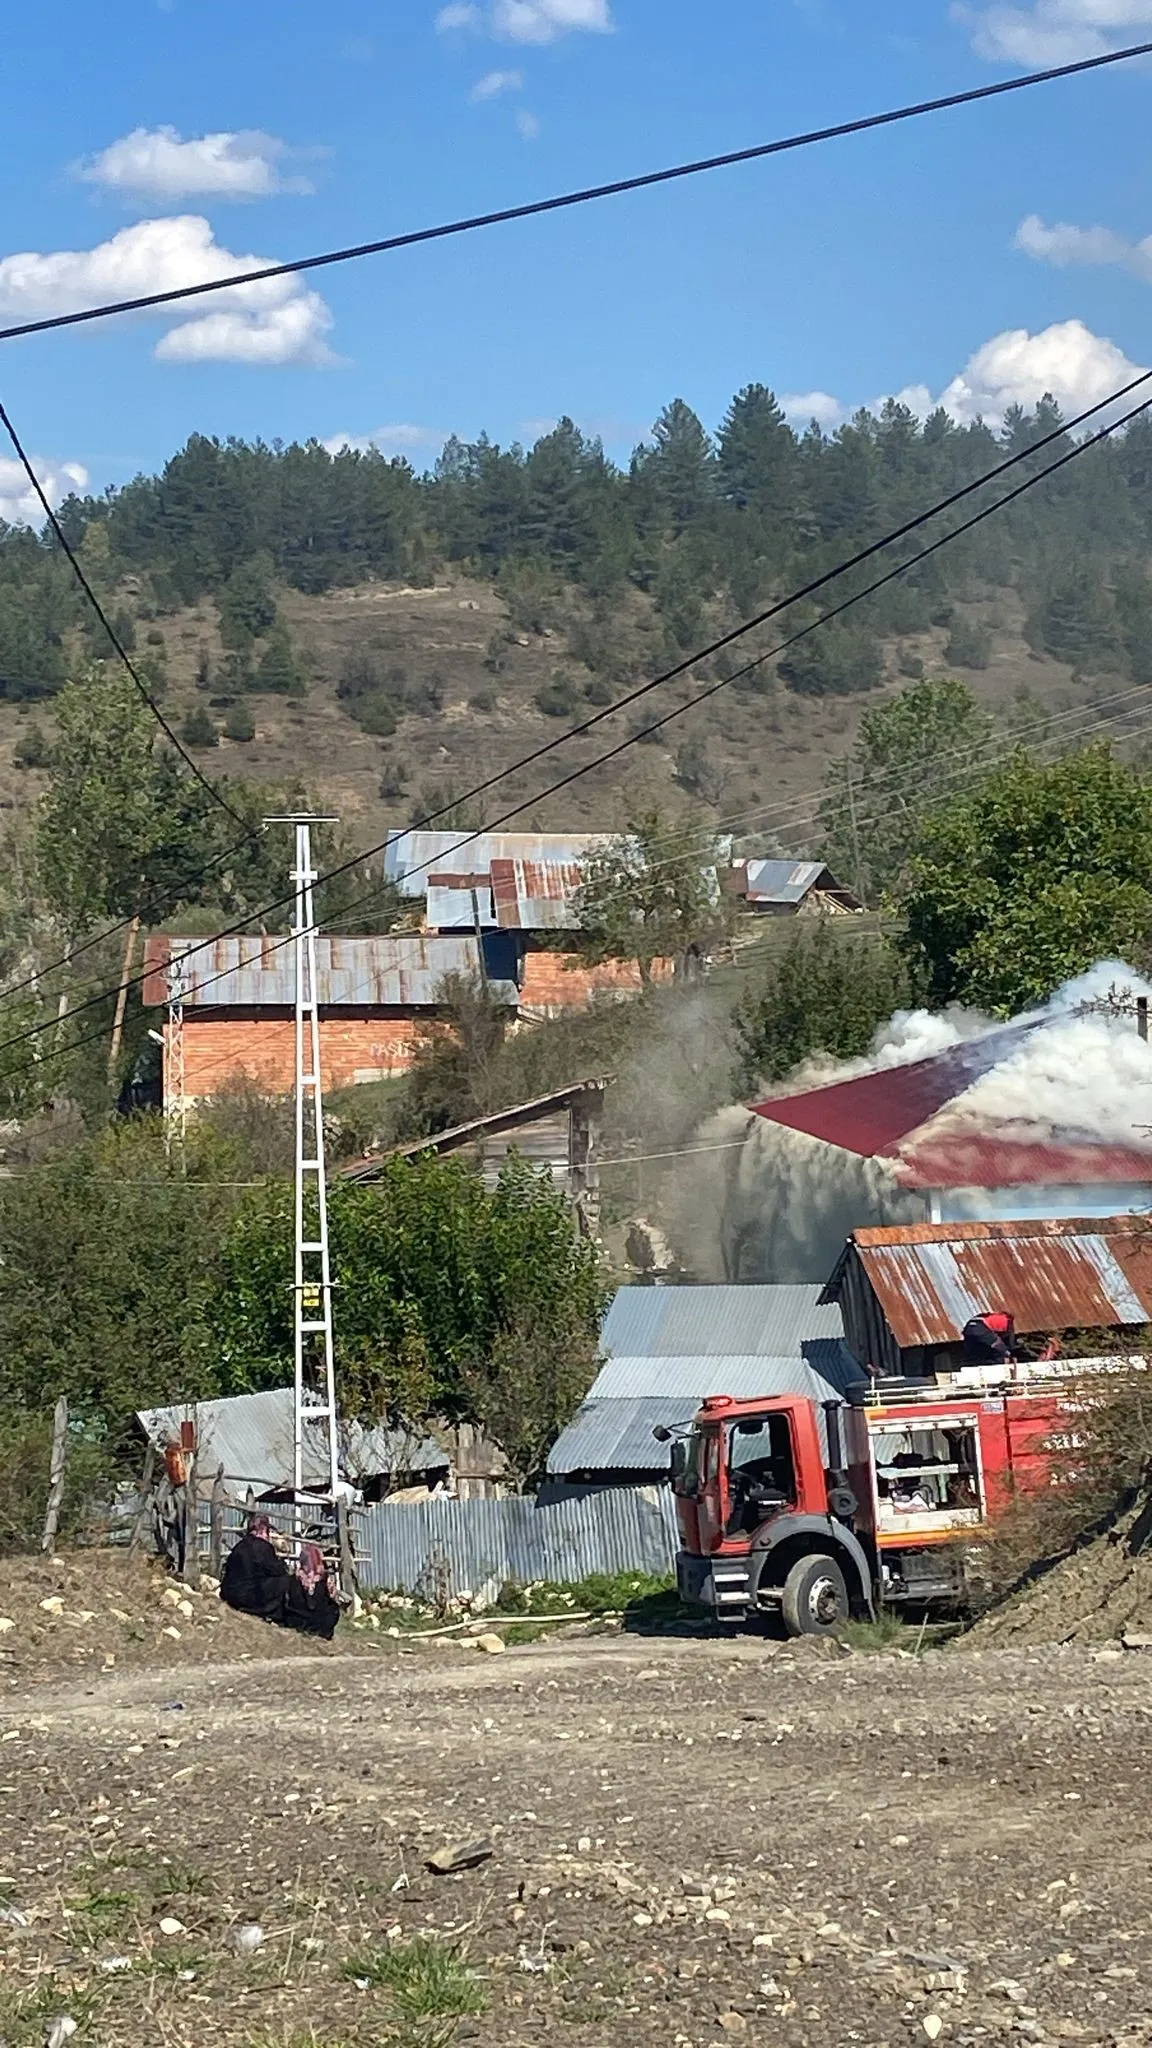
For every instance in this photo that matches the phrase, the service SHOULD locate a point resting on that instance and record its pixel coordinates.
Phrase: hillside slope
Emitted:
(753, 757)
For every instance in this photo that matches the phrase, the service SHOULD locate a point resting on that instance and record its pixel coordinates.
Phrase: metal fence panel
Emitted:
(459, 1546)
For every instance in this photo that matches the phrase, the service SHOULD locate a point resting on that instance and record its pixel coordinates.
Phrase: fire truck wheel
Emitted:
(815, 1597)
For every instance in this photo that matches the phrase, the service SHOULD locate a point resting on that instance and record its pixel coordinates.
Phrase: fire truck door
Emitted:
(711, 1504)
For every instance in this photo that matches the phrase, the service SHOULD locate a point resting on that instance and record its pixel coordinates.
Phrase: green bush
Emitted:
(32, 749)
(558, 699)
(198, 730)
(240, 724)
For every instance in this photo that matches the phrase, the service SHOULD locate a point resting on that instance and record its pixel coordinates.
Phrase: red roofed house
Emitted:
(1039, 1118)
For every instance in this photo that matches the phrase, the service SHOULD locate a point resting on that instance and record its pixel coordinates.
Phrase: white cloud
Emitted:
(292, 333)
(156, 162)
(1017, 368)
(272, 321)
(401, 439)
(544, 21)
(19, 505)
(803, 406)
(529, 21)
(1064, 245)
(494, 83)
(1053, 31)
(1078, 367)
(528, 124)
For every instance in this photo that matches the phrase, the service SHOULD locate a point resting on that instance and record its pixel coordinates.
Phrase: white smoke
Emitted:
(778, 1204)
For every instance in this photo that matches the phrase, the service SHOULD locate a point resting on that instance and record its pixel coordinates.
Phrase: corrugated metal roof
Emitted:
(249, 971)
(974, 1159)
(698, 1322)
(410, 857)
(542, 1106)
(613, 1429)
(1051, 1275)
(251, 1436)
(872, 1113)
(533, 895)
(826, 1363)
(616, 1436)
(449, 908)
(781, 881)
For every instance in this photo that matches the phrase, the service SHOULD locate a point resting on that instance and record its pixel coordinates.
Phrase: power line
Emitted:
(141, 686)
(1072, 454)
(170, 896)
(564, 200)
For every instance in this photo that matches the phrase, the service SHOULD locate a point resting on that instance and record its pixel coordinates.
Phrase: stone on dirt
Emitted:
(461, 1856)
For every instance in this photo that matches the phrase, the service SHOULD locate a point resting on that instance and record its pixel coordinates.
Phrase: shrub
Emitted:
(198, 729)
(558, 699)
(32, 749)
(969, 645)
(240, 724)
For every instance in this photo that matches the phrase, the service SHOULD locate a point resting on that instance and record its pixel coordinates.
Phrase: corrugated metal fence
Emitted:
(448, 1547)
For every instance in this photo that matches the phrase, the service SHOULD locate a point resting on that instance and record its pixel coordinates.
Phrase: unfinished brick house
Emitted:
(238, 998)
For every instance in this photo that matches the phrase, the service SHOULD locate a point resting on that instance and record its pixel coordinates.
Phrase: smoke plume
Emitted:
(776, 1204)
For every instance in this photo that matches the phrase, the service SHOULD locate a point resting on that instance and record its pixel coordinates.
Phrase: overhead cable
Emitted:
(616, 187)
(140, 685)
(1070, 455)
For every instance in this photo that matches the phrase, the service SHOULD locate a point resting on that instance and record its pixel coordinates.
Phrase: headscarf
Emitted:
(259, 1525)
(311, 1570)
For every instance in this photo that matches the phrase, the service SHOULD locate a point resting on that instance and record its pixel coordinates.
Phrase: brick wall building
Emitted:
(239, 996)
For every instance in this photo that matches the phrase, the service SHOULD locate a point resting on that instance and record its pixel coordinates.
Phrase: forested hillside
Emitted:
(396, 634)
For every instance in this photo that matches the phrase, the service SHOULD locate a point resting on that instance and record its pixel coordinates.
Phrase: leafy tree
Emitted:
(436, 1276)
(827, 992)
(1029, 877)
(108, 1258)
(239, 724)
(651, 894)
(921, 744)
(121, 823)
(455, 1065)
(837, 660)
(969, 644)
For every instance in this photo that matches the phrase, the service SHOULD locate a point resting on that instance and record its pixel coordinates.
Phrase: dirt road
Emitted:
(695, 1841)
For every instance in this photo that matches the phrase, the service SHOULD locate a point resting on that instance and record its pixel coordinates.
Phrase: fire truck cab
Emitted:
(822, 1511)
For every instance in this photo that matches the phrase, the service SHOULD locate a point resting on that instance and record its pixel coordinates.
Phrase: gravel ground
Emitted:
(695, 1840)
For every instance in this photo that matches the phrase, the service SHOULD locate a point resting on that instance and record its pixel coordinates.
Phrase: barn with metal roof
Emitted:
(666, 1348)
(906, 1292)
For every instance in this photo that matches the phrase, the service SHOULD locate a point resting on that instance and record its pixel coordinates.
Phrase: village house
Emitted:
(238, 999)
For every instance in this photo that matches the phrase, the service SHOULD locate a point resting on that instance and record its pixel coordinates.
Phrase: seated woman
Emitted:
(255, 1579)
(308, 1604)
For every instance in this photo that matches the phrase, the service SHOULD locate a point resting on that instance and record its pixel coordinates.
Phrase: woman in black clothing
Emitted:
(256, 1579)
(308, 1603)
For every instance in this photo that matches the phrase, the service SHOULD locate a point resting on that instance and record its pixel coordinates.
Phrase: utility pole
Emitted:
(173, 1088)
(314, 1375)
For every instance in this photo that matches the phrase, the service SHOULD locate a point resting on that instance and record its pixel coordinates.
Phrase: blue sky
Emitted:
(979, 255)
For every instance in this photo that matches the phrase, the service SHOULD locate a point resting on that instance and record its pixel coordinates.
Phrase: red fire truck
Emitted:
(824, 1510)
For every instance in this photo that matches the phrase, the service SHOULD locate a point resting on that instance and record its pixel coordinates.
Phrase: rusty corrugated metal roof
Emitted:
(1051, 1274)
(535, 895)
(410, 857)
(403, 970)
